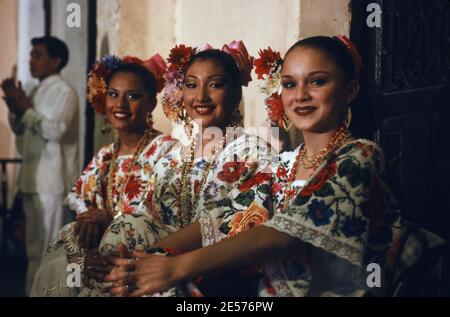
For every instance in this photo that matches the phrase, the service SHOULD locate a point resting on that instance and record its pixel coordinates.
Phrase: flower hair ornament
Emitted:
(268, 69)
(100, 72)
(178, 61)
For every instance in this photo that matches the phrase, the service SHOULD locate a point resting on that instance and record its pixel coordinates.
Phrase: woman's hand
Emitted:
(144, 275)
(97, 266)
(90, 227)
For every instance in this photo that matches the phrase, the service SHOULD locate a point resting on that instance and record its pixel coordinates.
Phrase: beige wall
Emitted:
(144, 27)
(8, 58)
(324, 17)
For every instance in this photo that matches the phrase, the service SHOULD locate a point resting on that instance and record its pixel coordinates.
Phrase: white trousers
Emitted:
(44, 216)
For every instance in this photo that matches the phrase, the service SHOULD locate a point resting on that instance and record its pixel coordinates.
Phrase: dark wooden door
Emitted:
(405, 102)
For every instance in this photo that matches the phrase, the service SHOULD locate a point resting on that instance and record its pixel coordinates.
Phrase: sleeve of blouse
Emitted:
(341, 204)
(236, 195)
(84, 193)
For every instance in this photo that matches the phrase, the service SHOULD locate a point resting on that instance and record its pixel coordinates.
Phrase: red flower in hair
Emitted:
(179, 57)
(275, 109)
(267, 60)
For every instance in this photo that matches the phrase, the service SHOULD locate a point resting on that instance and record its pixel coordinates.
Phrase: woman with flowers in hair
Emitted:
(124, 91)
(209, 173)
(332, 210)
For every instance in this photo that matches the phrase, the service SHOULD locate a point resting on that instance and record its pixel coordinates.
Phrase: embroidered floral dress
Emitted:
(239, 165)
(344, 217)
(90, 192)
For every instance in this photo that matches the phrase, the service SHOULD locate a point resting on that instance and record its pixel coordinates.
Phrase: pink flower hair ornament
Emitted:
(100, 71)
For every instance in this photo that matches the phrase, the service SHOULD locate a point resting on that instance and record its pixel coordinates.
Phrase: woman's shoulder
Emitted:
(364, 151)
(105, 152)
(163, 138)
(160, 145)
(365, 148)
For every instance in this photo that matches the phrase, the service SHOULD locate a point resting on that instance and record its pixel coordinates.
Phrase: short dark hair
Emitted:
(334, 49)
(147, 77)
(227, 62)
(55, 48)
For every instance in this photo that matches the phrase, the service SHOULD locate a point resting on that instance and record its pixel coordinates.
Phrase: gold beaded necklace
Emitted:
(341, 136)
(117, 210)
(187, 206)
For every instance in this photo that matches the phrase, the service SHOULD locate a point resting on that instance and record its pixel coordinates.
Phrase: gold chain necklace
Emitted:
(187, 207)
(341, 137)
(118, 209)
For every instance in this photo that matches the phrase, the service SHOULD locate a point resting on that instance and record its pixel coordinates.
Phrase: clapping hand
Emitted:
(15, 96)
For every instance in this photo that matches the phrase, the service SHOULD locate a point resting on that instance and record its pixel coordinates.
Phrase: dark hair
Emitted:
(334, 49)
(227, 62)
(147, 77)
(55, 48)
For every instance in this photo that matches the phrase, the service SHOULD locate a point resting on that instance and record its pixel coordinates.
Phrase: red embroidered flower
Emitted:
(281, 172)
(232, 171)
(173, 163)
(196, 186)
(135, 168)
(256, 180)
(133, 188)
(268, 59)
(268, 285)
(290, 193)
(78, 186)
(128, 209)
(150, 151)
(317, 183)
(367, 149)
(107, 157)
(276, 188)
(126, 164)
(167, 138)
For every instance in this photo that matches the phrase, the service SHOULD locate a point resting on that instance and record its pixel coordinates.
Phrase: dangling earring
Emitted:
(348, 117)
(188, 126)
(287, 123)
(106, 128)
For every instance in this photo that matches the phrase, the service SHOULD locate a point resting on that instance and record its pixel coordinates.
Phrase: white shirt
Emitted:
(47, 139)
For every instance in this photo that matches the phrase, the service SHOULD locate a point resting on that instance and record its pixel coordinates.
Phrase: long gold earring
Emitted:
(287, 123)
(348, 117)
(106, 128)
